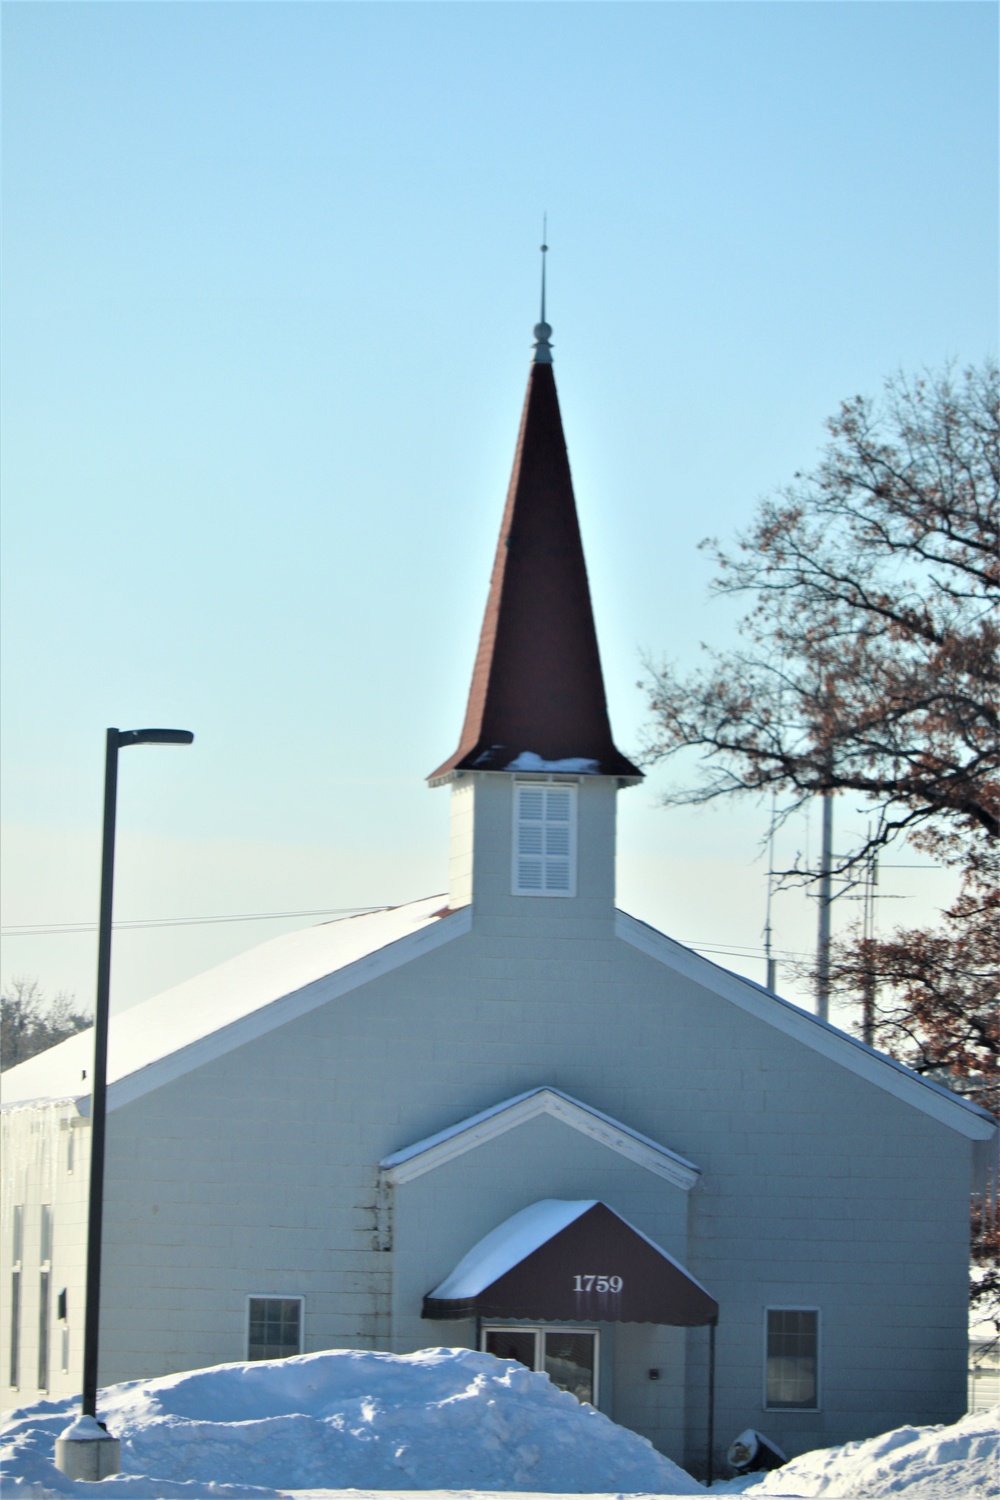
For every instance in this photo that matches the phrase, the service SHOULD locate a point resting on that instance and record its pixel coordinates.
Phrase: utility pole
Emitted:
(772, 967)
(825, 902)
(868, 930)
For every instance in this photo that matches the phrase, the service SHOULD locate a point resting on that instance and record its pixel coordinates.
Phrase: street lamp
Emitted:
(84, 1450)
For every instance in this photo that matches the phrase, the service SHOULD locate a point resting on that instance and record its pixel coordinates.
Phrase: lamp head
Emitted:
(154, 737)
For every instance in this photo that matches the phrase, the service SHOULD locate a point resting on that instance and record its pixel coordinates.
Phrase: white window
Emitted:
(791, 1359)
(568, 1356)
(274, 1327)
(544, 839)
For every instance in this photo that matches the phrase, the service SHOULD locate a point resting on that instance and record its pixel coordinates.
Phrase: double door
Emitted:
(566, 1355)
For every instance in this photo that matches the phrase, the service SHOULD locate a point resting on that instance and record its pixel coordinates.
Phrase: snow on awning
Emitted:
(561, 1261)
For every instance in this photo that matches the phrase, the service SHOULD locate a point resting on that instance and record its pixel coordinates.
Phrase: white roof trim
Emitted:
(432, 1152)
(829, 1041)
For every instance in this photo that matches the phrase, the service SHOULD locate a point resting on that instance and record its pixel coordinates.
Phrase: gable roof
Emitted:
(821, 1036)
(434, 1150)
(537, 696)
(207, 1016)
(236, 1002)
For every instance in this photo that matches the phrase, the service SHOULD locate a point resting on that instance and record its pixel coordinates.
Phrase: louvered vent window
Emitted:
(544, 840)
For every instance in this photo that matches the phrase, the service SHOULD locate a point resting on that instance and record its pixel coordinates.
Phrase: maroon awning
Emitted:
(559, 1261)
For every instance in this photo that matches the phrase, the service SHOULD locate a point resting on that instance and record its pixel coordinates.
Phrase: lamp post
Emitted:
(85, 1448)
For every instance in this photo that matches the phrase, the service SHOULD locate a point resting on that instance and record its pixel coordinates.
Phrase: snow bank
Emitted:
(440, 1419)
(961, 1462)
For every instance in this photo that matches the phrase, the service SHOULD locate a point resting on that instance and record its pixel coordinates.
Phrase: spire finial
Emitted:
(545, 250)
(543, 349)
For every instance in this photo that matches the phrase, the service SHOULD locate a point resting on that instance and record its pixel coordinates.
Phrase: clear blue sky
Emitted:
(270, 276)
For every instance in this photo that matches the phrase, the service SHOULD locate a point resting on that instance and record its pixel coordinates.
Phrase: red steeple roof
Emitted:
(537, 687)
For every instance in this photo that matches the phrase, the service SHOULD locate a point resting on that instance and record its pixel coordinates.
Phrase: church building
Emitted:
(509, 1116)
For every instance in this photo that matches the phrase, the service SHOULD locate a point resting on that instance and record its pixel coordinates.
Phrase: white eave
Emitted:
(425, 1155)
(829, 1041)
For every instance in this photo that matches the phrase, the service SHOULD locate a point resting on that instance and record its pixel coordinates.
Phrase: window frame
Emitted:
(818, 1402)
(540, 1330)
(46, 1234)
(14, 1362)
(44, 1328)
(16, 1297)
(273, 1297)
(545, 784)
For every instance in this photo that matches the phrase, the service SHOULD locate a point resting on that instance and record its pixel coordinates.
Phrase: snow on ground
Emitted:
(960, 1462)
(443, 1420)
(440, 1419)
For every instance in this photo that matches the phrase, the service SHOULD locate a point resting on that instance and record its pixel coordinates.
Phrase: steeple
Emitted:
(537, 697)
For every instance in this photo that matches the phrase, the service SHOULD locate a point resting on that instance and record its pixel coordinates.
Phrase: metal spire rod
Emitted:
(545, 251)
(543, 333)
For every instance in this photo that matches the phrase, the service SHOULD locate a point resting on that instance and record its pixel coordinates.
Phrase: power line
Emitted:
(44, 929)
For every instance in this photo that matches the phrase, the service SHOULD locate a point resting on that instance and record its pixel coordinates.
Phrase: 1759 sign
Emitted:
(597, 1283)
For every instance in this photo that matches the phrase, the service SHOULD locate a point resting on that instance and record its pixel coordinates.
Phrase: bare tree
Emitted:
(29, 1023)
(869, 654)
(869, 667)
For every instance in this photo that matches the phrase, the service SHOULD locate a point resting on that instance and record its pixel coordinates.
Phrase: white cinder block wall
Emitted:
(44, 1159)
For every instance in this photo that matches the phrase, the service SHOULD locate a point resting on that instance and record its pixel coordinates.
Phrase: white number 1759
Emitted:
(597, 1283)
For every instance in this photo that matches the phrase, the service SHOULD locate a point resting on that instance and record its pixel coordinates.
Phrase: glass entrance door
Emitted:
(568, 1357)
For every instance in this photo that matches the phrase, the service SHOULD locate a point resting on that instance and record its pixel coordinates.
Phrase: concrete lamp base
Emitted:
(85, 1451)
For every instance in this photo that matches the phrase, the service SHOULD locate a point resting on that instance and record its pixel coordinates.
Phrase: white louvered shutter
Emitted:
(544, 841)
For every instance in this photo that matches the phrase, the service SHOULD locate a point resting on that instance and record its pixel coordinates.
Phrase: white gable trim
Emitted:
(829, 1041)
(286, 1008)
(432, 1152)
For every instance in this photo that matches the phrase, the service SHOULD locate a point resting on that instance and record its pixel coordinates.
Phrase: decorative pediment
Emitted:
(425, 1155)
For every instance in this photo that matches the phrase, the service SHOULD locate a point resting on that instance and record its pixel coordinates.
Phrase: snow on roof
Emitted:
(529, 761)
(235, 1002)
(507, 1245)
